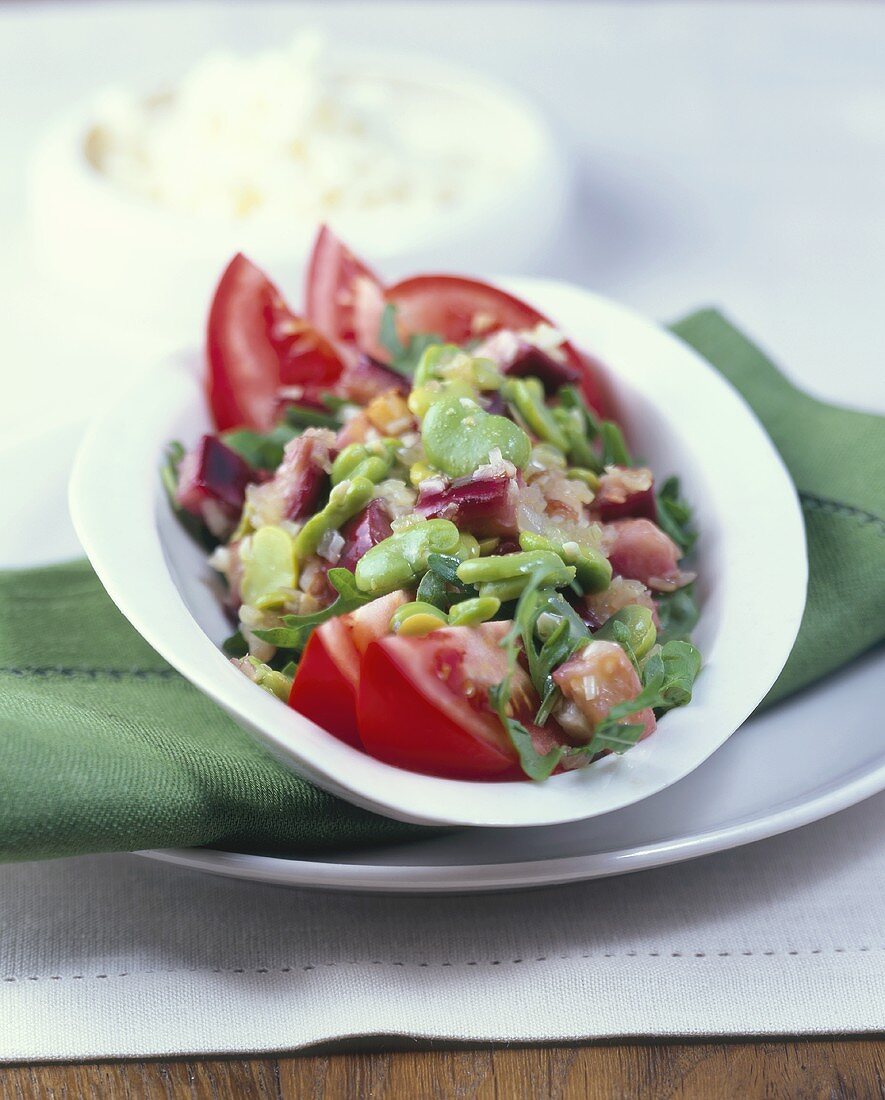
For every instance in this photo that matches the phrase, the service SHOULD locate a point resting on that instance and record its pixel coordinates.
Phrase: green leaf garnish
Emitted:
(678, 613)
(614, 447)
(536, 765)
(302, 416)
(235, 645)
(681, 663)
(262, 450)
(404, 358)
(297, 629)
(668, 679)
(675, 515)
(528, 608)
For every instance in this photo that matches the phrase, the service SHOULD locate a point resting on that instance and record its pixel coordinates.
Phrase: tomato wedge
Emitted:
(460, 309)
(424, 705)
(255, 345)
(343, 296)
(325, 685)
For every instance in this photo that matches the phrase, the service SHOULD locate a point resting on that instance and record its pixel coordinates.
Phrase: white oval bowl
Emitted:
(685, 419)
(85, 228)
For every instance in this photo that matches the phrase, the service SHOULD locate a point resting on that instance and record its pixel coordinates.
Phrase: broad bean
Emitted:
(526, 397)
(345, 500)
(592, 568)
(509, 566)
(417, 618)
(459, 436)
(400, 559)
(579, 473)
(475, 611)
(372, 460)
(448, 363)
(269, 564)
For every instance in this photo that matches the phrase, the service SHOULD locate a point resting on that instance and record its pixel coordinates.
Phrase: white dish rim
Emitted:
(159, 613)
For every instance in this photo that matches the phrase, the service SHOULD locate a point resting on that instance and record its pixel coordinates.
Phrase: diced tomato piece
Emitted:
(256, 347)
(459, 309)
(343, 296)
(324, 688)
(326, 683)
(424, 703)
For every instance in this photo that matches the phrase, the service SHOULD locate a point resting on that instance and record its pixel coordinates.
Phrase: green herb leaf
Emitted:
(404, 358)
(678, 614)
(616, 737)
(301, 416)
(387, 334)
(535, 765)
(682, 663)
(614, 447)
(675, 515)
(567, 636)
(555, 651)
(668, 678)
(264, 450)
(235, 645)
(298, 628)
(445, 566)
(433, 589)
(334, 403)
(529, 606)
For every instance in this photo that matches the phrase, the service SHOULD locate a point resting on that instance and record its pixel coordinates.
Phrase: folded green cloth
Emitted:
(104, 747)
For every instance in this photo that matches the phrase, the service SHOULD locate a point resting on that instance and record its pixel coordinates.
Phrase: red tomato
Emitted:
(342, 295)
(423, 703)
(324, 688)
(255, 345)
(460, 309)
(325, 685)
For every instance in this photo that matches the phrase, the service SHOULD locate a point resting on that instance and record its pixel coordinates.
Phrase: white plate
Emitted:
(778, 772)
(686, 418)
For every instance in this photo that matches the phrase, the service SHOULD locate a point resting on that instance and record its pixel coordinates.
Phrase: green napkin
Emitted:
(104, 747)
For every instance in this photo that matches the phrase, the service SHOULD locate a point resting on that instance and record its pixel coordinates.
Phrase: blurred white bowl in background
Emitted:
(155, 260)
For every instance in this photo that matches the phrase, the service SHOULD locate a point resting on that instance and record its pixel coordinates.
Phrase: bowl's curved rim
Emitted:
(126, 551)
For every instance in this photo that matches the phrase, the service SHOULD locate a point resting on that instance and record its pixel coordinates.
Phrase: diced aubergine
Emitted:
(213, 473)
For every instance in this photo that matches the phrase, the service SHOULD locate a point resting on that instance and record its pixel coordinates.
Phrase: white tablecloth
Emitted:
(114, 956)
(726, 153)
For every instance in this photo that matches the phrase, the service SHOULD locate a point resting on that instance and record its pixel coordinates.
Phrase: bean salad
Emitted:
(433, 539)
